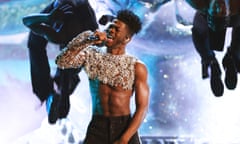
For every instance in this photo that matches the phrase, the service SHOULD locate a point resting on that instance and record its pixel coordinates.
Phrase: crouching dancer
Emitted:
(113, 77)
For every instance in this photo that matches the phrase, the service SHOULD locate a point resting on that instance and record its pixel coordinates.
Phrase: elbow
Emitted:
(61, 66)
(59, 63)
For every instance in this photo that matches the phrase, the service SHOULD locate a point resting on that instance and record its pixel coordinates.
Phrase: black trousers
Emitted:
(106, 130)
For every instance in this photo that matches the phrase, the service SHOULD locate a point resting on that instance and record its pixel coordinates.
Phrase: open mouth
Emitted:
(110, 37)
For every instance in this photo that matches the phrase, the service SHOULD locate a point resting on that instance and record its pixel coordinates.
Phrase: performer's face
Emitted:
(117, 32)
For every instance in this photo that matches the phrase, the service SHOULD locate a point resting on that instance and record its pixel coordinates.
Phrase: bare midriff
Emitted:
(114, 101)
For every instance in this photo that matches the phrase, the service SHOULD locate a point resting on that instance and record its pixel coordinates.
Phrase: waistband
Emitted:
(111, 118)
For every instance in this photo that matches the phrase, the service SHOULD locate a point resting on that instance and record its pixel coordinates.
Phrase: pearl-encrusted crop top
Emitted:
(114, 70)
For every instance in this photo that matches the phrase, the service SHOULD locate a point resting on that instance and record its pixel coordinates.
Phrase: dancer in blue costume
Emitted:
(211, 20)
(59, 23)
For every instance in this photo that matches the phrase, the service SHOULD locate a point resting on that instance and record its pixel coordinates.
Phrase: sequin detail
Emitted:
(114, 70)
(71, 56)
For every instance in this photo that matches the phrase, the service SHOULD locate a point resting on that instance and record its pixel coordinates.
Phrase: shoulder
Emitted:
(140, 68)
(138, 64)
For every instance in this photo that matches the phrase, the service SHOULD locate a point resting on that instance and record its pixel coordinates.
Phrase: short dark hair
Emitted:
(131, 20)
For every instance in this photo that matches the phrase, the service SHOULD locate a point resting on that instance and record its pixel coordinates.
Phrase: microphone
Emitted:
(93, 38)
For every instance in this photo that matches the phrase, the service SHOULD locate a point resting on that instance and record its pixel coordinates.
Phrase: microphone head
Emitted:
(93, 38)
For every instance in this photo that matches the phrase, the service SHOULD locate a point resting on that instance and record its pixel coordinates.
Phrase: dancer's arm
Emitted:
(73, 56)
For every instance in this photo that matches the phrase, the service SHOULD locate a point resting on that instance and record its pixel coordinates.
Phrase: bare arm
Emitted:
(141, 100)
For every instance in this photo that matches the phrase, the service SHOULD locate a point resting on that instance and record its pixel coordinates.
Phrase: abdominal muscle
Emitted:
(114, 101)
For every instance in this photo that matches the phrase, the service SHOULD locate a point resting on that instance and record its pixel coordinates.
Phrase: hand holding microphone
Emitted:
(99, 38)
